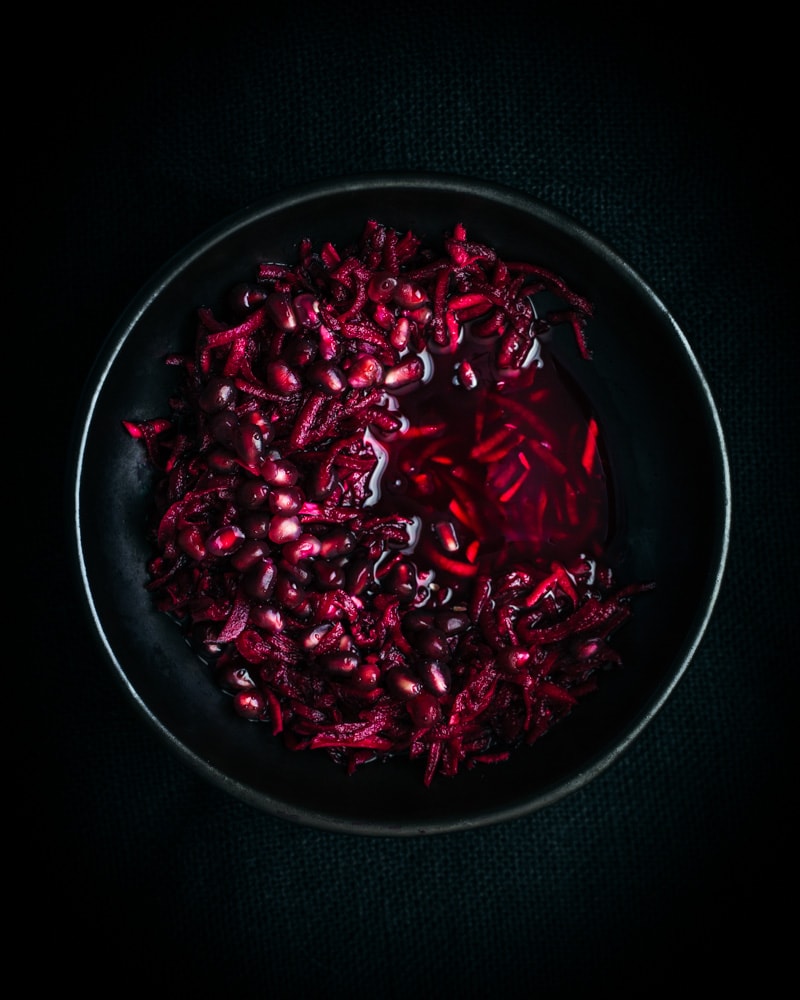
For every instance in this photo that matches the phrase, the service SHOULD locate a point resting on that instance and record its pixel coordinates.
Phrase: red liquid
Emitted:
(505, 473)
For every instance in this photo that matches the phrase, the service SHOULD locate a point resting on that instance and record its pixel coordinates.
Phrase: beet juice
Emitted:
(495, 471)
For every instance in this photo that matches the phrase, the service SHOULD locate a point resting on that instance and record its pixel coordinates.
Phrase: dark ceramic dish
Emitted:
(671, 485)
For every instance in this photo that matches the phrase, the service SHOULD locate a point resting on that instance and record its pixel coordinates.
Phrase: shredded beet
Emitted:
(381, 508)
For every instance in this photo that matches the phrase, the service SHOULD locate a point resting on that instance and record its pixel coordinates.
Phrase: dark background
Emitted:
(669, 135)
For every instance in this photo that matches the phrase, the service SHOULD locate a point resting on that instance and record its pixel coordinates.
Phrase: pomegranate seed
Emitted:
(252, 493)
(279, 472)
(402, 684)
(280, 377)
(424, 709)
(221, 427)
(296, 570)
(382, 286)
(435, 676)
(409, 296)
(256, 525)
(328, 347)
(423, 315)
(383, 316)
(249, 553)
(249, 444)
(400, 334)
(402, 580)
(259, 580)
(221, 460)
(305, 546)
(359, 576)
(513, 659)
(243, 298)
(289, 593)
(217, 394)
(323, 483)
(465, 375)
(328, 576)
(306, 309)
(417, 619)
(262, 422)
(452, 622)
(237, 679)
(314, 636)
(432, 642)
(280, 309)
(286, 500)
(284, 528)
(587, 648)
(337, 543)
(301, 351)
(191, 541)
(267, 617)
(341, 664)
(404, 374)
(364, 372)
(446, 533)
(365, 677)
(328, 377)
(250, 705)
(225, 540)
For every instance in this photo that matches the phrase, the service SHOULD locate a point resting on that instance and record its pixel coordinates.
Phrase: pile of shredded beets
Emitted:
(278, 552)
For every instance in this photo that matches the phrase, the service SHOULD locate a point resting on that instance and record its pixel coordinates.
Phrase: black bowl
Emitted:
(671, 485)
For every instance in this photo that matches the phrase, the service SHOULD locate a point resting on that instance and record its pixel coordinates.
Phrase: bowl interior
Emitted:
(670, 483)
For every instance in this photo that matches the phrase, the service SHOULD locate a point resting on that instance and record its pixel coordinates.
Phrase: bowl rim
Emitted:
(293, 198)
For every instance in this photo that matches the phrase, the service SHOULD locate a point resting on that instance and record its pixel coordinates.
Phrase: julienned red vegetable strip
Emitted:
(382, 538)
(587, 458)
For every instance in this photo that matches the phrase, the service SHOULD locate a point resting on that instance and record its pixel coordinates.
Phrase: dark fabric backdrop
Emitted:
(671, 137)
